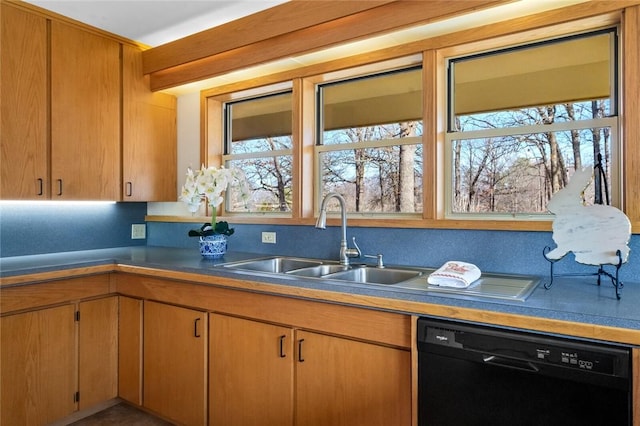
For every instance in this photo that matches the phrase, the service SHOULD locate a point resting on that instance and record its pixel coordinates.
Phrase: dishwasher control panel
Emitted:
(527, 346)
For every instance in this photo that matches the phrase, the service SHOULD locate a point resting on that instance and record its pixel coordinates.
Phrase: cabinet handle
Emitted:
(300, 359)
(59, 186)
(195, 328)
(282, 354)
(40, 187)
(129, 189)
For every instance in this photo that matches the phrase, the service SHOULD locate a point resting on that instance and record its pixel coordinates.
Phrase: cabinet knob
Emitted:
(59, 187)
(40, 186)
(128, 191)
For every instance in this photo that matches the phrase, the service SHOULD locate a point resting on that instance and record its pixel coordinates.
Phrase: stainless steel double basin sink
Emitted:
(489, 286)
(311, 268)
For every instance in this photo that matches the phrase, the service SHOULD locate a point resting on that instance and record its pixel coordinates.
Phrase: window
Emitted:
(369, 144)
(521, 120)
(507, 120)
(258, 140)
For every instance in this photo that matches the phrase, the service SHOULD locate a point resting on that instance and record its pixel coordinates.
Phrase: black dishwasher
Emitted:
(473, 374)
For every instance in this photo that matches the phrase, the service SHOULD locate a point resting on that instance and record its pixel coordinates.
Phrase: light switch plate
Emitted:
(138, 231)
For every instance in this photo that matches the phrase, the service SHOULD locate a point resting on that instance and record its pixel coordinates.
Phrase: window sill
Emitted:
(489, 225)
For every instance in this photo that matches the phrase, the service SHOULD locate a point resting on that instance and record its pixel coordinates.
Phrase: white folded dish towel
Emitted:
(455, 274)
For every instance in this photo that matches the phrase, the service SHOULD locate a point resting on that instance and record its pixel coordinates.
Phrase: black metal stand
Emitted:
(614, 279)
(600, 183)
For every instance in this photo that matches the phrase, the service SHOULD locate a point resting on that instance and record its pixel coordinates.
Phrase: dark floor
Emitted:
(121, 414)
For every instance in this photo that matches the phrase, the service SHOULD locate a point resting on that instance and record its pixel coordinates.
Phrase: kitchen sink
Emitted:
(274, 264)
(372, 275)
(311, 268)
(328, 270)
(318, 271)
(492, 286)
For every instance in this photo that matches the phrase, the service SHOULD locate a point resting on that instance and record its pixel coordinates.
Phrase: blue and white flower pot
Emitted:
(213, 246)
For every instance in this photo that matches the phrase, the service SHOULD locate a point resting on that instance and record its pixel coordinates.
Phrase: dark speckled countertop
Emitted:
(576, 299)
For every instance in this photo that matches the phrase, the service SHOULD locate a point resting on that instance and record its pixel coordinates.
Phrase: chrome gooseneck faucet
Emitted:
(321, 223)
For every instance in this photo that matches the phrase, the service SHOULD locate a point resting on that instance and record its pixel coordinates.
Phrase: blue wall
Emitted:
(35, 228)
(492, 251)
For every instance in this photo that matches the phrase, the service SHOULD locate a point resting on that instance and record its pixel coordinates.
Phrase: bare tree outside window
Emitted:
(370, 148)
(384, 179)
(510, 154)
(259, 142)
(519, 173)
(269, 177)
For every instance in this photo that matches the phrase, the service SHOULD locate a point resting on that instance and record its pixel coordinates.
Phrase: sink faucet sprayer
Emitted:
(321, 223)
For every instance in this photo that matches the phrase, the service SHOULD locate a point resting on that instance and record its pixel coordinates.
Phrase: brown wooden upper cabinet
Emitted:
(23, 78)
(79, 121)
(149, 151)
(85, 115)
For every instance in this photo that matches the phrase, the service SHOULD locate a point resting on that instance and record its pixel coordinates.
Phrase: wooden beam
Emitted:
(287, 17)
(371, 22)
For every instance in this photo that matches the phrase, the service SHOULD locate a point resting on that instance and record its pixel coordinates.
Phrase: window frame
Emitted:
(412, 63)
(612, 122)
(227, 142)
(432, 52)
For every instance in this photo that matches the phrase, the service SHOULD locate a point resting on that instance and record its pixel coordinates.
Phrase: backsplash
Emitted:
(45, 228)
(36, 228)
(491, 251)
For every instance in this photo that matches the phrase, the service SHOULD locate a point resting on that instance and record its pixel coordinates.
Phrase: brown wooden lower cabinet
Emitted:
(57, 360)
(39, 366)
(343, 382)
(231, 358)
(251, 372)
(98, 351)
(261, 374)
(130, 350)
(175, 362)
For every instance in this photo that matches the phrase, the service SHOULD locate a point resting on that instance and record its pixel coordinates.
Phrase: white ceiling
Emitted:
(155, 22)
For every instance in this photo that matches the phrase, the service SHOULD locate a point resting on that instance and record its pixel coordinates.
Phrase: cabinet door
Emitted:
(342, 382)
(85, 115)
(98, 351)
(23, 111)
(149, 144)
(130, 350)
(175, 355)
(251, 373)
(38, 361)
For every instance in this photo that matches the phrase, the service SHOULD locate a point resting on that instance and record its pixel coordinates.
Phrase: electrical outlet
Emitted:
(138, 231)
(269, 237)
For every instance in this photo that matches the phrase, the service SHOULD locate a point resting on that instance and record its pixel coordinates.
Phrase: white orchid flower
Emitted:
(209, 184)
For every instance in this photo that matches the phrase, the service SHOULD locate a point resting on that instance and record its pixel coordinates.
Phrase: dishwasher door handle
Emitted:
(515, 364)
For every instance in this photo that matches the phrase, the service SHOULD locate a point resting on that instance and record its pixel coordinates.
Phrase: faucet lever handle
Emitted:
(357, 249)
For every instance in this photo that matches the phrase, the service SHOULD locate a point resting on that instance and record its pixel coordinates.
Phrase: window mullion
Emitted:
(538, 128)
(263, 154)
(413, 140)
